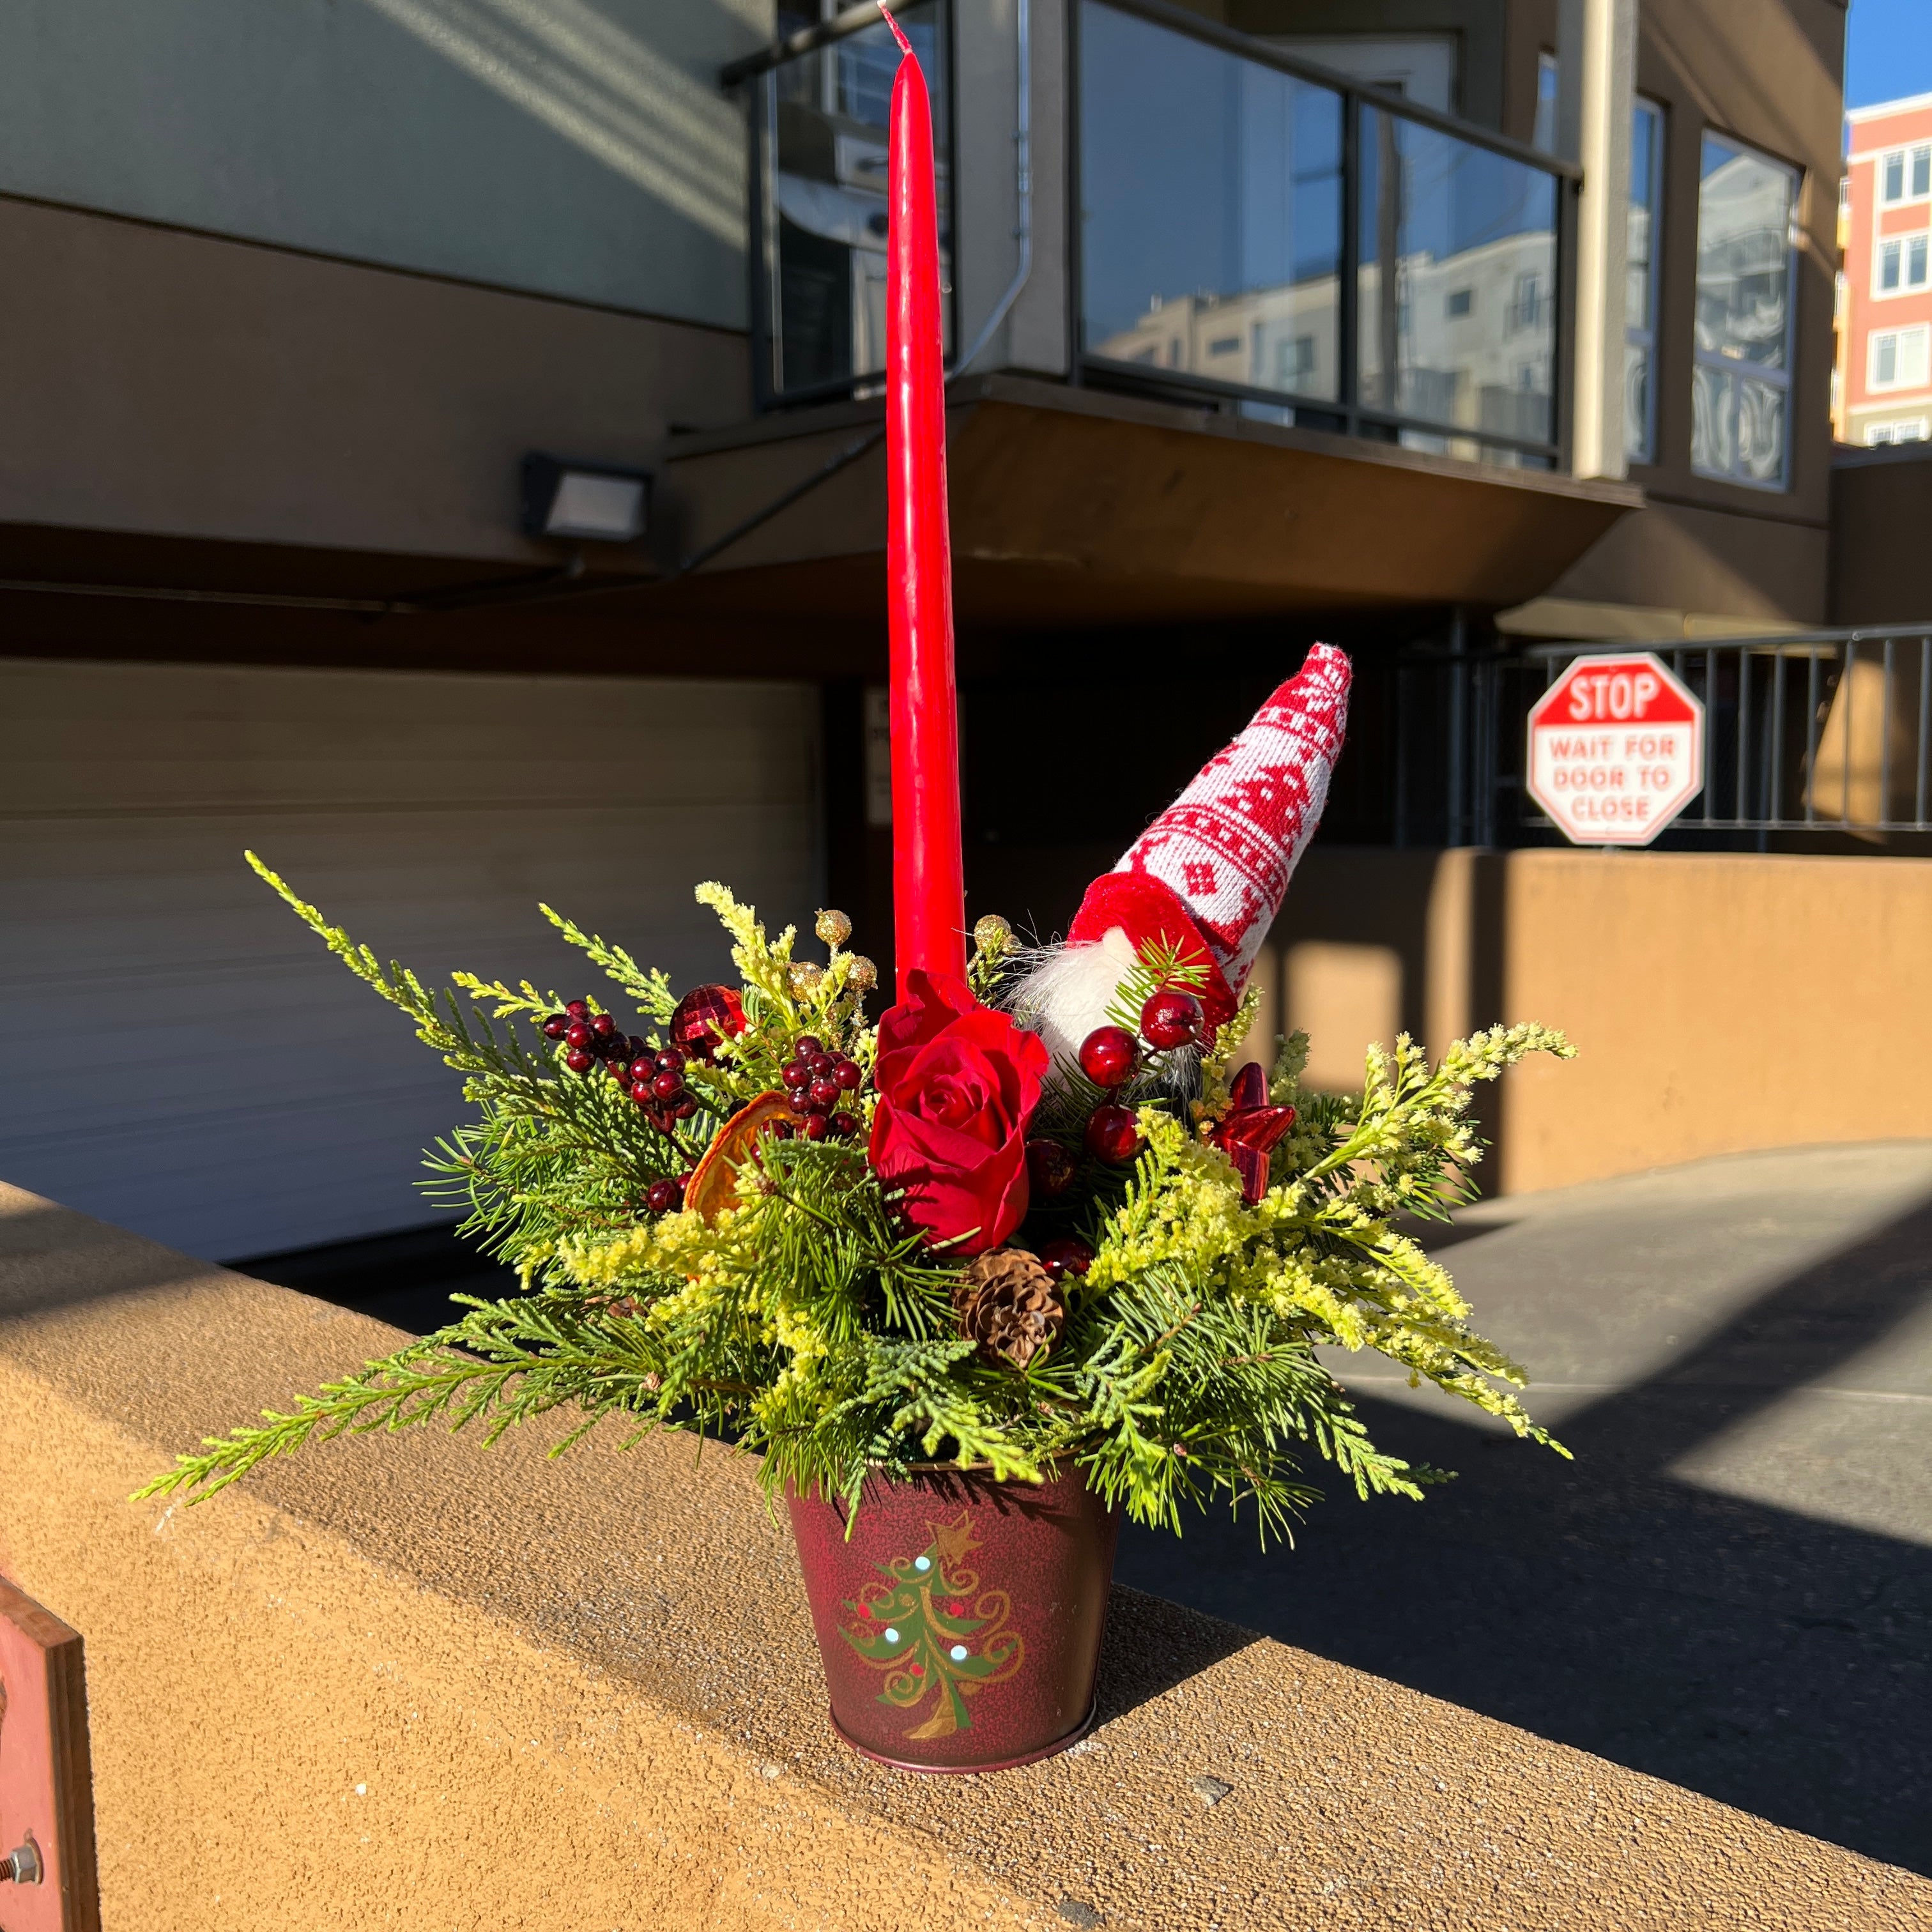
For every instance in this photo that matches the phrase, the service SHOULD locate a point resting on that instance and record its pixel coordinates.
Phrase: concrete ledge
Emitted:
(416, 1683)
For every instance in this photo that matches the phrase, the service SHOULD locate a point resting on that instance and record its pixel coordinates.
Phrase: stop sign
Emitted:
(1616, 749)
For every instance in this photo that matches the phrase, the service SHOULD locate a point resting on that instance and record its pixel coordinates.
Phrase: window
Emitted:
(1460, 302)
(1544, 139)
(1905, 174)
(1740, 382)
(1224, 345)
(1640, 281)
(1898, 359)
(1912, 429)
(1901, 264)
(1294, 360)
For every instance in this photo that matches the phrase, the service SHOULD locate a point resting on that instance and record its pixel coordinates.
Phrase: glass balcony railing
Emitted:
(1312, 253)
(821, 122)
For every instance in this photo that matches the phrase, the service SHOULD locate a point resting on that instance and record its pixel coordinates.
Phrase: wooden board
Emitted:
(46, 1777)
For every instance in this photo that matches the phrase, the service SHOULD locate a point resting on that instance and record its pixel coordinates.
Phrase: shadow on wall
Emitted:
(1774, 1660)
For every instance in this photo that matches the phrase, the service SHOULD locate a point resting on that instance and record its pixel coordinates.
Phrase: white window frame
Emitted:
(1783, 379)
(1879, 436)
(1902, 247)
(1875, 384)
(1645, 337)
(1908, 159)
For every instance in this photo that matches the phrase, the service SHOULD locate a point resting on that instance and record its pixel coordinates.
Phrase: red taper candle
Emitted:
(928, 875)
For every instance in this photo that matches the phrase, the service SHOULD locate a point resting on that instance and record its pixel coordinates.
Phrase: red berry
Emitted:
(1171, 1018)
(795, 1074)
(808, 1044)
(578, 1009)
(578, 1034)
(640, 1092)
(664, 1196)
(1067, 1255)
(782, 1132)
(555, 1027)
(644, 1070)
(844, 1125)
(1107, 1056)
(578, 1061)
(685, 1109)
(667, 1086)
(1113, 1134)
(1050, 1168)
(817, 1126)
(603, 1026)
(846, 1072)
(824, 1094)
(670, 1061)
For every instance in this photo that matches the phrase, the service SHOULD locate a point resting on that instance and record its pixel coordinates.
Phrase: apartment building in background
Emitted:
(1885, 367)
(442, 452)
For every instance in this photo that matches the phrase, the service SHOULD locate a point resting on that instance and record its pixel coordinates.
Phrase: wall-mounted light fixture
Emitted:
(584, 502)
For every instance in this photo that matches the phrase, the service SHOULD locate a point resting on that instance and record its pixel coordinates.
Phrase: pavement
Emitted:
(1730, 1586)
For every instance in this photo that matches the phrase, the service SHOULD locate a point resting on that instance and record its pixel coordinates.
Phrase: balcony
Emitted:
(1176, 252)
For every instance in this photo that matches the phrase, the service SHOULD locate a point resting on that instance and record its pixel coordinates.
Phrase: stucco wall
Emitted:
(407, 1682)
(581, 149)
(1719, 1003)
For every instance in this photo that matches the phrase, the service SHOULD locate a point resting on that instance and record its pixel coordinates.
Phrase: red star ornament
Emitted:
(1247, 1133)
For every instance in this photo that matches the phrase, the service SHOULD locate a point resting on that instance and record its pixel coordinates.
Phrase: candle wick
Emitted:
(898, 32)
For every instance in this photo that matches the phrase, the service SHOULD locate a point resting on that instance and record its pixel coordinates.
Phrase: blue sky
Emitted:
(1888, 51)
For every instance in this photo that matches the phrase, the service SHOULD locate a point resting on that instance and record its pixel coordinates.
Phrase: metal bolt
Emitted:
(23, 1865)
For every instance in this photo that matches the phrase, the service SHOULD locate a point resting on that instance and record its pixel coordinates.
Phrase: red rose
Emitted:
(956, 1083)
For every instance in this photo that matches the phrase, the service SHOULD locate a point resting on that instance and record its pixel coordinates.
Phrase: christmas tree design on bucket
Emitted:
(933, 1632)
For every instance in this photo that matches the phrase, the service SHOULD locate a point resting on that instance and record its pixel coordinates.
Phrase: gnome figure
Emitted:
(1207, 878)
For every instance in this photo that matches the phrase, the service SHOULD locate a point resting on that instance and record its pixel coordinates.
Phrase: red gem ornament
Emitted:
(1248, 1132)
(1113, 1135)
(1050, 1168)
(1067, 1255)
(1171, 1018)
(1107, 1056)
(705, 1015)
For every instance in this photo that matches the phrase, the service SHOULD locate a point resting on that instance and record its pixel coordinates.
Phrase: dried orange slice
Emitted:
(713, 1185)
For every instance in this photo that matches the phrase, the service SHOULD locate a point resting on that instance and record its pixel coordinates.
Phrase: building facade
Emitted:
(1886, 362)
(1273, 319)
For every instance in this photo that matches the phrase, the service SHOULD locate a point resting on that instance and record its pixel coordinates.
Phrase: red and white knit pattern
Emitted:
(1229, 844)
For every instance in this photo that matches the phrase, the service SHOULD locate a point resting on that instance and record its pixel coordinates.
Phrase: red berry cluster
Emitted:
(1110, 1056)
(817, 1083)
(654, 1080)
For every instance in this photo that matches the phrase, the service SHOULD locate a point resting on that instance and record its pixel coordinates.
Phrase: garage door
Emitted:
(180, 1056)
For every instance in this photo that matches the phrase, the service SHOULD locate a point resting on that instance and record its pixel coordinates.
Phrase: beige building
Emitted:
(442, 454)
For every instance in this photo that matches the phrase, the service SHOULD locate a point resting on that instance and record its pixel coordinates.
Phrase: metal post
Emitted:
(1885, 739)
(1388, 259)
(1846, 681)
(1924, 729)
(1811, 736)
(1744, 731)
(1347, 320)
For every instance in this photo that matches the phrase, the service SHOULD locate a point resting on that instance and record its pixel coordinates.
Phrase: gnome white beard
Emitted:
(1066, 990)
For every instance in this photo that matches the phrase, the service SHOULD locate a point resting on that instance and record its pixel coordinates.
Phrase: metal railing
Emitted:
(1278, 238)
(1817, 734)
(1821, 731)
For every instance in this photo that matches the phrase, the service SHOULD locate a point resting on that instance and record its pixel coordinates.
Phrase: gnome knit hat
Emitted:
(1207, 877)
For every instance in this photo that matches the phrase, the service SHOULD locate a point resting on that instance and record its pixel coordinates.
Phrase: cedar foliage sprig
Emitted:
(811, 1324)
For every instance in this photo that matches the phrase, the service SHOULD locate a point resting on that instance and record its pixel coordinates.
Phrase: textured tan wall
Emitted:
(582, 1694)
(1719, 1003)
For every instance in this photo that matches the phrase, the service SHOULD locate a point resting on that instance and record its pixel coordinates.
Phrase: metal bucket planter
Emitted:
(960, 1624)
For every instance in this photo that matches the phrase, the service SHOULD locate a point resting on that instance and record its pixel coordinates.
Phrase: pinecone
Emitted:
(1009, 1304)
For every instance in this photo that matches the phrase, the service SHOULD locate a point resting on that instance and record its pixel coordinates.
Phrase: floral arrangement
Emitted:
(1036, 1219)
(853, 1247)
